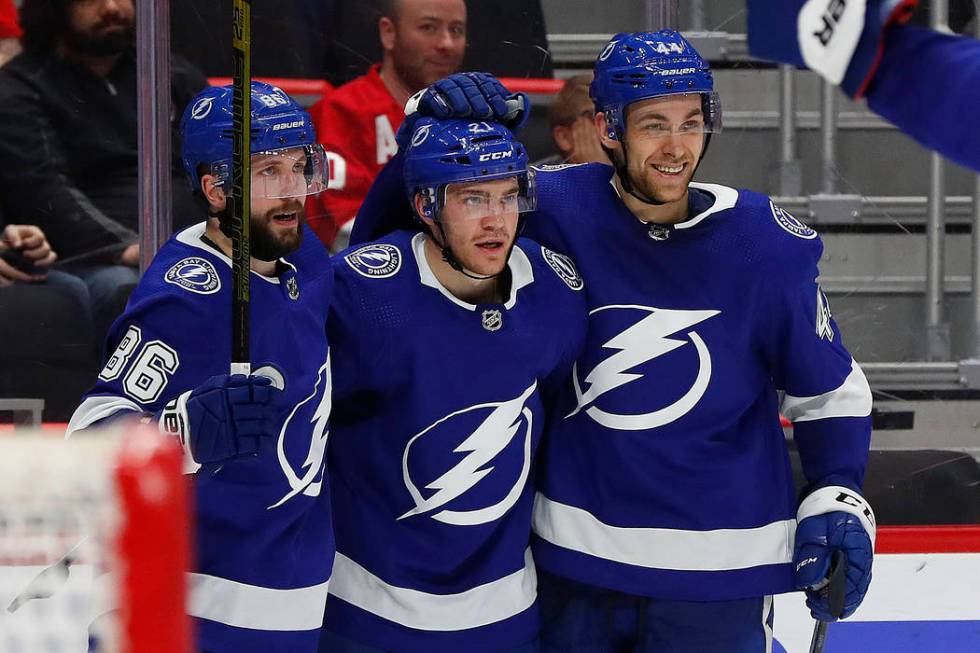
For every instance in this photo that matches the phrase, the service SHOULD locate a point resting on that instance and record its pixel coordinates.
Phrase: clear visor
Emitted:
(278, 174)
(475, 200)
(671, 118)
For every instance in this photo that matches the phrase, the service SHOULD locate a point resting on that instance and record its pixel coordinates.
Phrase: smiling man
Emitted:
(449, 339)
(666, 515)
(423, 41)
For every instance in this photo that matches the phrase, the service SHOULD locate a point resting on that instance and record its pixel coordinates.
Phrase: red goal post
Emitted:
(94, 541)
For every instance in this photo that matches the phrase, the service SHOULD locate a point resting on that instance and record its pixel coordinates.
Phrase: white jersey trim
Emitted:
(520, 271)
(851, 399)
(664, 548)
(726, 197)
(98, 407)
(258, 608)
(191, 236)
(480, 606)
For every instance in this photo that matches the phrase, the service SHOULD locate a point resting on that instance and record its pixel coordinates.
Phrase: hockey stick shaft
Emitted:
(241, 192)
(835, 591)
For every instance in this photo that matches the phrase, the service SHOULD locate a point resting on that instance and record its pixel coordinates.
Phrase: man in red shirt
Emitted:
(423, 41)
(9, 31)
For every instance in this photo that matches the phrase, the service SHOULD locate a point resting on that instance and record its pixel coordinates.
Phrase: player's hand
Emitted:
(466, 95)
(130, 256)
(845, 51)
(817, 538)
(586, 146)
(224, 418)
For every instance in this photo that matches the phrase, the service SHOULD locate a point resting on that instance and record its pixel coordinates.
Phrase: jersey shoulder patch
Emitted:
(552, 167)
(375, 261)
(790, 224)
(564, 267)
(195, 274)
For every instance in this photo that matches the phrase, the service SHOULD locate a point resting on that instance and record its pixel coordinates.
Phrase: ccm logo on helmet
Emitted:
(493, 156)
(288, 125)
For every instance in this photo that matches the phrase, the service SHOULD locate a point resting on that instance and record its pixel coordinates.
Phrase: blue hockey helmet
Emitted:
(444, 152)
(645, 65)
(280, 126)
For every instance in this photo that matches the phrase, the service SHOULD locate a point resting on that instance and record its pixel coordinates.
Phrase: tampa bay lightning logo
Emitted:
(788, 223)
(311, 416)
(608, 50)
(195, 274)
(475, 479)
(641, 335)
(375, 261)
(202, 108)
(564, 268)
(421, 134)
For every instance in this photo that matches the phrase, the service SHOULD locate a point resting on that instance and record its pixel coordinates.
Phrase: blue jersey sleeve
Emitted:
(156, 351)
(826, 394)
(917, 60)
(385, 208)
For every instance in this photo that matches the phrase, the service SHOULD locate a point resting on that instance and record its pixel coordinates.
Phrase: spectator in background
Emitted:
(9, 31)
(423, 41)
(68, 139)
(45, 325)
(572, 114)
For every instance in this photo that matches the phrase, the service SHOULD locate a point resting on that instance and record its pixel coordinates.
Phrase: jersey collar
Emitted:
(724, 198)
(519, 264)
(193, 237)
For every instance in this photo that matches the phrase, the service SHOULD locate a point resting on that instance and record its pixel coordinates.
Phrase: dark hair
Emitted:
(42, 22)
(388, 9)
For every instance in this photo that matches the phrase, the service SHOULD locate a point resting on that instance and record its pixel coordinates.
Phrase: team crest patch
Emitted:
(564, 268)
(824, 328)
(551, 167)
(788, 223)
(493, 320)
(194, 274)
(375, 261)
(292, 288)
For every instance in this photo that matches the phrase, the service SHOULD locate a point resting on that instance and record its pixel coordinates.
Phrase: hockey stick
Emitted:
(834, 591)
(241, 191)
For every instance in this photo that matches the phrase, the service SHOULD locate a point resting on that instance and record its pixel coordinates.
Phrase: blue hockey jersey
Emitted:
(670, 477)
(263, 537)
(438, 410)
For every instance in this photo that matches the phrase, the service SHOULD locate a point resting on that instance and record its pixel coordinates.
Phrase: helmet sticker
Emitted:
(202, 108)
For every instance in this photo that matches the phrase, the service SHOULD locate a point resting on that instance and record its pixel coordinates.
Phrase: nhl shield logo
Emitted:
(292, 288)
(492, 320)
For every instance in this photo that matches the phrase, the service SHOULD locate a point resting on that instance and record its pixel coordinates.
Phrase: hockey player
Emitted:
(868, 50)
(666, 514)
(254, 444)
(447, 342)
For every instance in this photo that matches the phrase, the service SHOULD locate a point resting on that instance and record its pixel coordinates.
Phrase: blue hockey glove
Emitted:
(465, 95)
(223, 418)
(840, 41)
(833, 518)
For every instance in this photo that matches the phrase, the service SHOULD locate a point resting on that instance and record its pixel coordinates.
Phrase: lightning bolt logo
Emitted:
(313, 463)
(643, 341)
(376, 261)
(489, 439)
